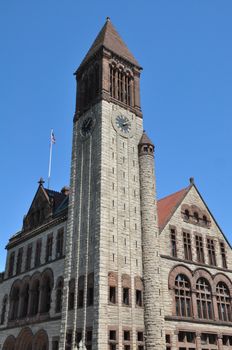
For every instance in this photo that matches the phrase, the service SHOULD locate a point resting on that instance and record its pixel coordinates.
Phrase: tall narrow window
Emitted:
(112, 282)
(223, 254)
(199, 249)
(59, 295)
(223, 302)
(183, 296)
(71, 294)
(204, 299)
(11, 264)
(90, 289)
(28, 257)
(38, 252)
(59, 243)
(49, 247)
(19, 261)
(187, 246)
(211, 252)
(173, 243)
(80, 300)
(3, 313)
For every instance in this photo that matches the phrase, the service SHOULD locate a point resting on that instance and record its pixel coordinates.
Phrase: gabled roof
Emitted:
(167, 206)
(58, 197)
(145, 139)
(109, 38)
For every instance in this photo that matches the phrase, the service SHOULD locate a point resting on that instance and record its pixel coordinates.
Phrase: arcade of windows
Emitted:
(126, 339)
(121, 82)
(37, 256)
(200, 296)
(199, 248)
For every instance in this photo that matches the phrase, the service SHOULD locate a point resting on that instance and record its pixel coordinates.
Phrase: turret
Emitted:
(153, 313)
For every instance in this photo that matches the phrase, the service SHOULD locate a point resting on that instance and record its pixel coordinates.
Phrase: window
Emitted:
(49, 247)
(204, 299)
(80, 297)
(112, 295)
(59, 295)
(38, 252)
(183, 296)
(187, 340)
(46, 290)
(112, 335)
(125, 296)
(11, 264)
(35, 295)
(211, 252)
(28, 257)
(126, 335)
(173, 243)
(187, 246)
(186, 215)
(19, 261)
(138, 298)
(90, 290)
(196, 217)
(139, 336)
(14, 302)
(227, 340)
(55, 345)
(71, 294)
(24, 296)
(59, 243)
(223, 302)
(199, 249)
(223, 255)
(3, 313)
(209, 339)
(204, 220)
(120, 85)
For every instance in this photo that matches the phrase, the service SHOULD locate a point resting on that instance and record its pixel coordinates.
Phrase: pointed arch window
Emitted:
(183, 296)
(204, 299)
(120, 84)
(223, 302)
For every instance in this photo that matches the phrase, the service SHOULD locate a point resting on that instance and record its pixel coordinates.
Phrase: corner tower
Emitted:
(104, 236)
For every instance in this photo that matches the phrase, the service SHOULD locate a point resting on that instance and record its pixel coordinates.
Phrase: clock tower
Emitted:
(112, 248)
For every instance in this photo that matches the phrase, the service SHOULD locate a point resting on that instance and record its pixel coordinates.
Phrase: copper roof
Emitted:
(167, 206)
(109, 38)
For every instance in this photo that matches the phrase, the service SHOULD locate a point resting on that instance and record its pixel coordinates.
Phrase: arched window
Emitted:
(204, 220)
(186, 214)
(35, 296)
(183, 296)
(46, 290)
(71, 294)
(223, 302)
(24, 300)
(196, 216)
(14, 302)
(59, 294)
(204, 299)
(3, 313)
(9, 343)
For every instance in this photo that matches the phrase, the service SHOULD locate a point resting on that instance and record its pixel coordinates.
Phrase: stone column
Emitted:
(153, 310)
(198, 341)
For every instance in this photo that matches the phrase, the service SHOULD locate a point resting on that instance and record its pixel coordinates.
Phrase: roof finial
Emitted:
(41, 181)
(107, 19)
(191, 180)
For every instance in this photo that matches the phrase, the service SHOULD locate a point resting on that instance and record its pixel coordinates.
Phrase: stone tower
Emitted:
(104, 231)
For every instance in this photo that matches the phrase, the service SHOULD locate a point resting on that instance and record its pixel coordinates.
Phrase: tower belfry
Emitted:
(105, 233)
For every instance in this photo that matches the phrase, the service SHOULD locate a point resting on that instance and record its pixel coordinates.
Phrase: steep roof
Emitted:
(145, 139)
(167, 205)
(58, 197)
(109, 38)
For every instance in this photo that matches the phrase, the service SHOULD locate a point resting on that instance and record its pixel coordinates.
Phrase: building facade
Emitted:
(104, 264)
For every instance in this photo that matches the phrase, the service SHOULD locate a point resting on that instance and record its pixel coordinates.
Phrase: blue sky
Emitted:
(185, 49)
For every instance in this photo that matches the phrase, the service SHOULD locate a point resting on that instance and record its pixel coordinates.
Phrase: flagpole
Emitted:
(50, 158)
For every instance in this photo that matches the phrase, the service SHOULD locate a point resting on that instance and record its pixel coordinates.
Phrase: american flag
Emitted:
(53, 140)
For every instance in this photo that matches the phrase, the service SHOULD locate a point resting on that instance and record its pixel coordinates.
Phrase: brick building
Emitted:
(104, 264)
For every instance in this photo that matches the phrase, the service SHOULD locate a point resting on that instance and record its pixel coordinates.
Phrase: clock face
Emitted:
(87, 126)
(123, 124)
